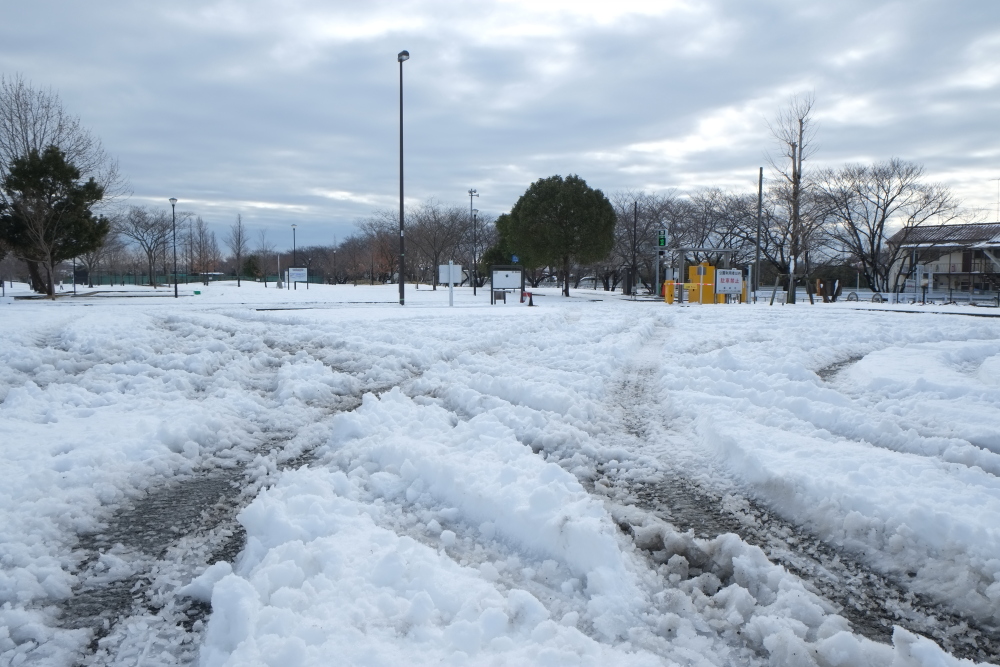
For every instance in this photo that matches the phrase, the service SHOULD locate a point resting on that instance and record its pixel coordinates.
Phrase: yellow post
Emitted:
(668, 291)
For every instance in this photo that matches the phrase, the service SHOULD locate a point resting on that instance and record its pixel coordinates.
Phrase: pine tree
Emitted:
(47, 216)
(558, 221)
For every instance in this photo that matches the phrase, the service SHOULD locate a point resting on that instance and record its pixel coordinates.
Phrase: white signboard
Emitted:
(456, 274)
(728, 281)
(298, 275)
(507, 279)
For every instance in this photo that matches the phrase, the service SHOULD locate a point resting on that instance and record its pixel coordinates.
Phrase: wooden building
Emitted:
(951, 257)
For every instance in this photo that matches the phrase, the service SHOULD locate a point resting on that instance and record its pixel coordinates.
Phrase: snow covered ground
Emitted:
(592, 481)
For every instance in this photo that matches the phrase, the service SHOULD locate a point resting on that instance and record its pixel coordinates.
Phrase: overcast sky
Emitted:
(287, 112)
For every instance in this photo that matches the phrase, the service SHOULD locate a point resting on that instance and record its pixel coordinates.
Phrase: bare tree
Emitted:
(238, 244)
(381, 232)
(32, 120)
(149, 230)
(98, 258)
(205, 249)
(793, 128)
(116, 257)
(637, 217)
(264, 250)
(436, 232)
(486, 236)
(352, 257)
(871, 203)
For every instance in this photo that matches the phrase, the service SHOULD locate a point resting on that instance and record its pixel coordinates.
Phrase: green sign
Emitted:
(662, 240)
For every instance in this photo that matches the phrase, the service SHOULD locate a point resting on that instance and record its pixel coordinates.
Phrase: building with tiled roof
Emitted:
(962, 257)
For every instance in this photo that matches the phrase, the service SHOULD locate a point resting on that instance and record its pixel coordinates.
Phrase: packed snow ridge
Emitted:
(261, 477)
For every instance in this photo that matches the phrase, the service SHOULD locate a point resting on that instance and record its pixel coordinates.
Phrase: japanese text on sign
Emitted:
(728, 281)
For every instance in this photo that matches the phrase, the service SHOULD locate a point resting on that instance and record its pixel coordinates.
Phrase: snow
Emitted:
(894, 458)
(429, 484)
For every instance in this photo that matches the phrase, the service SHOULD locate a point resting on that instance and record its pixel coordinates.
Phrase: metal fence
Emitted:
(975, 298)
(988, 298)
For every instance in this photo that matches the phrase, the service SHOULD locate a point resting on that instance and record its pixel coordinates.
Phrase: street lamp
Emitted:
(475, 256)
(401, 57)
(173, 226)
(294, 260)
(472, 219)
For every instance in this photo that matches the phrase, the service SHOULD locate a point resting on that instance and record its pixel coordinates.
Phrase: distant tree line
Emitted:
(61, 198)
(837, 223)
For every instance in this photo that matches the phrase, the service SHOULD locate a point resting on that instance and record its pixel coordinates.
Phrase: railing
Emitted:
(975, 298)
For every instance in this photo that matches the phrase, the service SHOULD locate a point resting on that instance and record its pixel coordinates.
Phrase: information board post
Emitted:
(505, 278)
(450, 274)
(298, 275)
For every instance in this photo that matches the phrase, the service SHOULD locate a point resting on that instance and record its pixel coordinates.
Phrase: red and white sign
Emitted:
(728, 281)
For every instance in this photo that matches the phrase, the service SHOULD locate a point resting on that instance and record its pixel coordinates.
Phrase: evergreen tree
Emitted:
(559, 221)
(47, 215)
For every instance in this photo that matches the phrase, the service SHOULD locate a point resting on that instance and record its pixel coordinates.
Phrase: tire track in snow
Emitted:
(712, 504)
(149, 547)
(968, 455)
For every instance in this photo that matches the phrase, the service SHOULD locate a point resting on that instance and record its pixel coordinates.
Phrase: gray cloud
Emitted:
(287, 112)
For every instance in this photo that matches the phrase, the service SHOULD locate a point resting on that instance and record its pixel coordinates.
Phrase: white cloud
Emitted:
(287, 110)
(982, 64)
(344, 195)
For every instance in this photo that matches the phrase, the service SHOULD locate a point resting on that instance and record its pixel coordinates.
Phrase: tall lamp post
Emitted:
(401, 57)
(472, 219)
(295, 262)
(760, 209)
(173, 226)
(475, 244)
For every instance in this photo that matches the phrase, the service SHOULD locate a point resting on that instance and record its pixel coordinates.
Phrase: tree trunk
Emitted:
(152, 270)
(565, 276)
(50, 284)
(36, 277)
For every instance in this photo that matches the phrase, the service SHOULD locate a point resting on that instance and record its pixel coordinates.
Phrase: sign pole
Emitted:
(451, 282)
(661, 243)
(657, 260)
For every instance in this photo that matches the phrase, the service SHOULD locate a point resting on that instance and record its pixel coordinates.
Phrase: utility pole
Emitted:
(402, 57)
(635, 244)
(760, 210)
(472, 219)
(794, 240)
(173, 226)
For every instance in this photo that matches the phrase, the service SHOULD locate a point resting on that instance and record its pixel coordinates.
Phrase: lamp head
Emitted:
(173, 201)
(294, 225)
(403, 55)
(475, 211)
